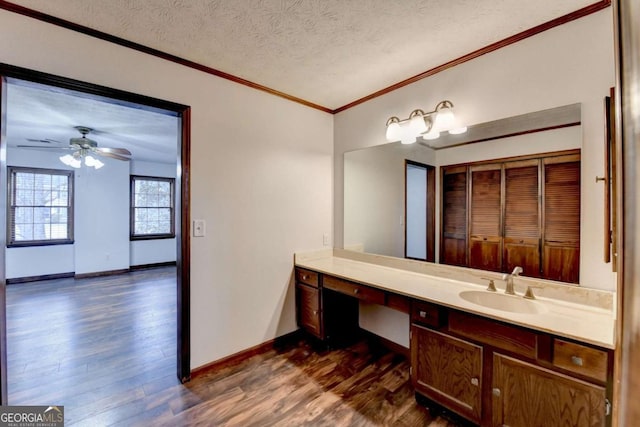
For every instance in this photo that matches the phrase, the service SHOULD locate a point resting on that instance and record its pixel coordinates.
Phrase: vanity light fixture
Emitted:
(428, 125)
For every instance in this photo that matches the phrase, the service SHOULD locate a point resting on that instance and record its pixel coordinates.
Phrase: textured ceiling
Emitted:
(328, 52)
(46, 118)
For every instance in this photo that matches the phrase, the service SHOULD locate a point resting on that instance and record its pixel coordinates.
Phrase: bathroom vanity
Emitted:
(492, 358)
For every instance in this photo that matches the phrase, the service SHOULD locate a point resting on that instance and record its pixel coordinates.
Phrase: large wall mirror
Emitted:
(377, 204)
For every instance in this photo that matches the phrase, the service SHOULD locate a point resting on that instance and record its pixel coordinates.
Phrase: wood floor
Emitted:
(105, 349)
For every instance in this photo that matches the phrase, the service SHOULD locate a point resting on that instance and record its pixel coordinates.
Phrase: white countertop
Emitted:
(581, 322)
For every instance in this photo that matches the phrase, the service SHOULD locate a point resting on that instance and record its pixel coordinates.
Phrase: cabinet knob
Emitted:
(576, 360)
(422, 314)
(305, 277)
(356, 291)
(475, 381)
(496, 392)
(315, 312)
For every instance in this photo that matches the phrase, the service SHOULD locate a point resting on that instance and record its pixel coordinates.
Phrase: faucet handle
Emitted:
(492, 285)
(505, 277)
(529, 293)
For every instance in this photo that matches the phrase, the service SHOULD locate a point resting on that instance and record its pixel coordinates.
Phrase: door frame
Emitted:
(183, 181)
(431, 209)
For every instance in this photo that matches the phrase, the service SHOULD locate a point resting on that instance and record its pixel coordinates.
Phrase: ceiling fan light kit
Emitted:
(76, 161)
(86, 149)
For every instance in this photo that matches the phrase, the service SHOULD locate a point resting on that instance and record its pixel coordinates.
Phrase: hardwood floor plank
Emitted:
(105, 349)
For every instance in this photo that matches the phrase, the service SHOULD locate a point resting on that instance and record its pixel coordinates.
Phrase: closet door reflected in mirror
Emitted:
(522, 211)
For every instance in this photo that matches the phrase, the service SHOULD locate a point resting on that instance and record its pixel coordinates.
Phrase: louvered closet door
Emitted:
(485, 241)
(561, 244)
(522, 217)
(453, 246)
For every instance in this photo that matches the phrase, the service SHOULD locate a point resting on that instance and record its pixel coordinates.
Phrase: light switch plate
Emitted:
(199, 228)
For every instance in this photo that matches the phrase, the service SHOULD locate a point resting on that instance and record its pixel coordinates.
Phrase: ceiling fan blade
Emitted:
(112, 155)
(44, 141)
(46, 148)
(112, 150)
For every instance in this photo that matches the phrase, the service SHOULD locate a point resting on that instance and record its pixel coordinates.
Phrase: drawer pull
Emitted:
(496, 392)
(422, 314)
(576, 360)
(315, 312)
(356, 291)
(305, 277)
(475, 381)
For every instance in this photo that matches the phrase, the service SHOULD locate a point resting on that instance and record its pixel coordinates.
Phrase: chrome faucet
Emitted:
(509, 279)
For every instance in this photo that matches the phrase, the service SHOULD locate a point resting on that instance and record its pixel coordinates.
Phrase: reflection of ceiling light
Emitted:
(75, 160)
(432, 134)
(458, 131)
(428, 125)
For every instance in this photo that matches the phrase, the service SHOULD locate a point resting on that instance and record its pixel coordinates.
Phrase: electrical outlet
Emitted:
(199, 228)
(325, 239)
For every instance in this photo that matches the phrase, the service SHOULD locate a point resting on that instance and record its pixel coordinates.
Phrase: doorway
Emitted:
(419, 211)
(10, 73)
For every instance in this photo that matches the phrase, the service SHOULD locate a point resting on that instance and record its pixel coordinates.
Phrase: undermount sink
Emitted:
(511, 303)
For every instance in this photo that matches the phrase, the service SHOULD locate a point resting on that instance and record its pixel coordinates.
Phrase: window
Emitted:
(152, 208)
(40, 206)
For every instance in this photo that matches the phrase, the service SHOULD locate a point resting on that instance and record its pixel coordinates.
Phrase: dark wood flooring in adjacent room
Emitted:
(105, 349)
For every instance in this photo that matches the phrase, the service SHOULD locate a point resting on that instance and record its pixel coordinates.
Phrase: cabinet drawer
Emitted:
(307, 276)
(580, 359)
(427, 314)
(362, 292)
(507, 337)
(398, 302)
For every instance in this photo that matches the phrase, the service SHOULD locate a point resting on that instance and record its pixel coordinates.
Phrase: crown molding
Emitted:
(587, 10)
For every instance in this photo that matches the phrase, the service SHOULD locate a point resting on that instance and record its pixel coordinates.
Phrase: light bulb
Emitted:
(89, 161)
(393, 131)
(70, 160)
(66, 159)
(417, 124)
(445, 119)
(98, 164)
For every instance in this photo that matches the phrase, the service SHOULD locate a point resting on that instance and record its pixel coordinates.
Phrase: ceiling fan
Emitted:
(83, 147)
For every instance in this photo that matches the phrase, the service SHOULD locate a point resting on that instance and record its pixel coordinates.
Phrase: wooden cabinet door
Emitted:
(530, 396)
(453, 248)
(447, 370)
(561, 240)
(309, 313)
(485, 218)
(522, 217)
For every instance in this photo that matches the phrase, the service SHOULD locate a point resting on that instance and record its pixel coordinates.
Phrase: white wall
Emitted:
(102, 218)
(567, 64)
(101, 221)
(374, 196)
(261, 175)
(144, 252)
